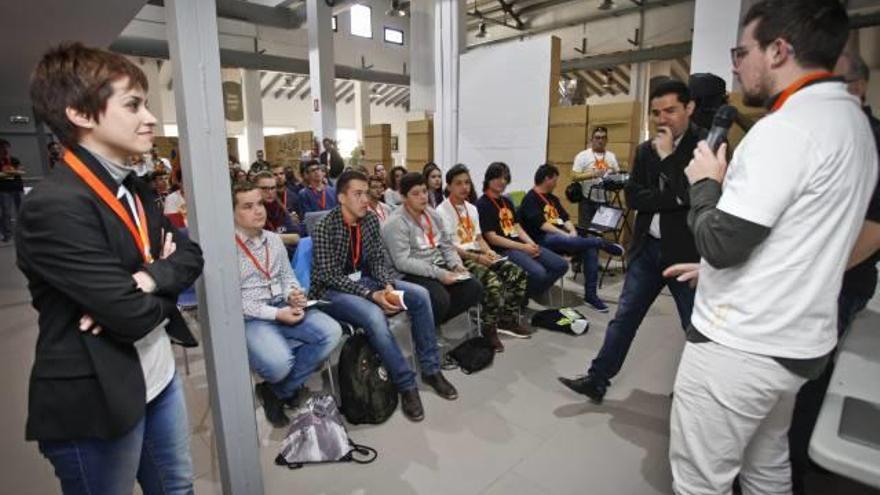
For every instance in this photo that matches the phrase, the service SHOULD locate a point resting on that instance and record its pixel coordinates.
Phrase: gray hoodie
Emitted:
(410, 252)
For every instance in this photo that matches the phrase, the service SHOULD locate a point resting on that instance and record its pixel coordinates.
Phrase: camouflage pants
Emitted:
(504, 289)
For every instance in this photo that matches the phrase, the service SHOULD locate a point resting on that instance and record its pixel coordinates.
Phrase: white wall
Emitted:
(504, 108)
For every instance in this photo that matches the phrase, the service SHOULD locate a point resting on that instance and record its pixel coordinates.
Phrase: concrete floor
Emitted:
(514, 430)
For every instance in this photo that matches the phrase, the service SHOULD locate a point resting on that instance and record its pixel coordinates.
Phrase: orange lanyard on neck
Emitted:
(466, 221)
(429, 234)
(553, 211)
(139, 233)
(497, 206)
(797, 85)
(249, 254)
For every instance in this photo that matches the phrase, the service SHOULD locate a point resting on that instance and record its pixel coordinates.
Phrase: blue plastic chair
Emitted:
(302, 263)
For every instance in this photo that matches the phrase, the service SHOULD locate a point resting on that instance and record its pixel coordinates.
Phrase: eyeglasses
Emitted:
(738, 53)
(268, 188)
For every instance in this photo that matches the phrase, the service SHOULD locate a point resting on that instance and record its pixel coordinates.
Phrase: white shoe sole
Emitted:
(513, 334)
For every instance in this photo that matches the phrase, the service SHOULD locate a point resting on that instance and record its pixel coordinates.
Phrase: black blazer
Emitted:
(645, 194)
(79, 259)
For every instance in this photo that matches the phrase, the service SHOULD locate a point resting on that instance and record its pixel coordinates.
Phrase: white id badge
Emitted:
(355, 277)
(275, 289)
(559, 221)
(514, 234)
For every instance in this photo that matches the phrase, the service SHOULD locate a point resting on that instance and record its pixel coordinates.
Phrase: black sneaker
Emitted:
(586, 385)
(440, 385)
(298, 398)
(613, 248)
(273, 407)
(411, 404)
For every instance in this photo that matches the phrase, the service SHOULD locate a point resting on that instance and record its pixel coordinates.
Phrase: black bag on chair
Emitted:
(574, 192)
(367, 394)
(473, 355)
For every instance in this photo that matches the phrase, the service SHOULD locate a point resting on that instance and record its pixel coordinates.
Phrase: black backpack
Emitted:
(472, 355)
(574, 192)
(367, 393)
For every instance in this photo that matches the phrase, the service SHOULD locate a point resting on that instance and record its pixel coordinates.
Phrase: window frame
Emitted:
(385, 35)
(351, 20)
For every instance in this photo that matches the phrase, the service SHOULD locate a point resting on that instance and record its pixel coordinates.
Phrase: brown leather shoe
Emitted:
(513, 328)
(491, 333)
(411, 404)
(440, 385)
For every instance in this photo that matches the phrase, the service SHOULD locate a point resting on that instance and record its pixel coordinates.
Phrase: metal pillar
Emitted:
(253, 115)
(321, 69)
(195, 55)
(448, 42)
(421, 56)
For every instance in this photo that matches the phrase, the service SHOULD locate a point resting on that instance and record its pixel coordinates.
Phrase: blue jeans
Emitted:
(542, 272)
(285, 355)
(368, 315)
(587, 247)
(643, 283)
(155, 453)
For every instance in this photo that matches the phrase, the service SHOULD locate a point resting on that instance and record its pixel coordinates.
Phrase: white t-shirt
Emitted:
(589, 160)
(809, 180)
(462, 227)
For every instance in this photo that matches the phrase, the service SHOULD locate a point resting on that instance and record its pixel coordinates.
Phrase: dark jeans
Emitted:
(587, 248)
(449, 301)
(586, 210)
(643, 283)
(542, 272)
(8, 209)
(810, 397)
(368, 315)
(155, 453)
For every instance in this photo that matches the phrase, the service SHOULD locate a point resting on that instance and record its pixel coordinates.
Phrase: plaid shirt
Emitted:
(331, 254)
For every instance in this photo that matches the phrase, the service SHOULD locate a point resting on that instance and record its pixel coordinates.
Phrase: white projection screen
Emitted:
(504, 109)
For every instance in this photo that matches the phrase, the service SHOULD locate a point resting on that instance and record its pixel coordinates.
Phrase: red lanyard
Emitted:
(356, 245)
(553, 212)
(797, 85)
(284, 198)
(323, 202)
(139, 233)
(264, 271)
(466, 221)
(429, 234)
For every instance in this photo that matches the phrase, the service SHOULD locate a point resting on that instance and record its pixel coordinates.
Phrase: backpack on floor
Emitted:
(473, 355)
(317, 435)
(568, 320)
(367, 394)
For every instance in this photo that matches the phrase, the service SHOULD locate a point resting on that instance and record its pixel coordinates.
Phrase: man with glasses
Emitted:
(317, 195)
(278, 220)
(774, 231)
(288, 194)
(590, 166)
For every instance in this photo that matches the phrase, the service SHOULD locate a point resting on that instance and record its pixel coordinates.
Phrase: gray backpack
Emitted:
(317, 435)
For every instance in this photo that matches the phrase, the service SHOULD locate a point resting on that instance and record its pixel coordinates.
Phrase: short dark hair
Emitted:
(816, 29)
(495, 170)
(455, 171)
(672, 86)
(346, 177)
(76, 76)
(376, 178)
(391, 182)
(409, 181)
(305, 164)
(599, 128)
(239, 188)
(544, 172)
(264, 174)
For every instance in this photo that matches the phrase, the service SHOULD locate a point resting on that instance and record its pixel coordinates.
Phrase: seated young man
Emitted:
(288, 193)
(420, 248)
(317, 195)
(547, 222)
(504, 283)
(278, 220)
(498, 224)
(286, 342)
(352, 271)
(377, 195)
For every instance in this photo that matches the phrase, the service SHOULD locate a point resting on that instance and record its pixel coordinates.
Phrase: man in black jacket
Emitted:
(104, 268)
(658, 190)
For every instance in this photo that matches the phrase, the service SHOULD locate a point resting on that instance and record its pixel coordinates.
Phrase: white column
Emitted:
(716, 31)
(151, 69)
(361, 108)
(253, 115)
(321, 69)
(449, 40)
(195, 54)
(421, 56)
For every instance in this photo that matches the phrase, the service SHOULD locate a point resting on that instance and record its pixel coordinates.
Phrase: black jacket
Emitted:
(79, 259)
(660, 186)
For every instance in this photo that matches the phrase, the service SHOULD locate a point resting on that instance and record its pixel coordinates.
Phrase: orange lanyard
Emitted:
(797, 85)
(553, 210)
(429, 234)
(466, 221)
(139, 233)
(323, 202)
(249, 254)
(356, 245)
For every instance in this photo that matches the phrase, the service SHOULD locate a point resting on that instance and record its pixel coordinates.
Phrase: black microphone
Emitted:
(720, 126)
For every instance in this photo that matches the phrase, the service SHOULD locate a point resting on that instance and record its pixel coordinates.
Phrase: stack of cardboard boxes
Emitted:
(377, 146)
(566, 137)
(419, 144)
(288, 149)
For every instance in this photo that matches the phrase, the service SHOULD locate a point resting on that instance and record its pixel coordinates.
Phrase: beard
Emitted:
(761, 94)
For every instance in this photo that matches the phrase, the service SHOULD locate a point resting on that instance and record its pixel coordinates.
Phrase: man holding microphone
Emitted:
(774, 232)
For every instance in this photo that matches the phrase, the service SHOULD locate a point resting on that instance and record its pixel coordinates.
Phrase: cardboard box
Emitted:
(624, 153)
(574, 115)
(420, 127)
(626, 111)
(576, 135)
(378, 130)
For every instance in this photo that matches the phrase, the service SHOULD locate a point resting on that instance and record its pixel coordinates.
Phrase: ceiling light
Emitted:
(606, 5)
(481, 31)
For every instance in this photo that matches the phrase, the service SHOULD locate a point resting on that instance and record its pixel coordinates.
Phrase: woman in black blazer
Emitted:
(104, 268)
